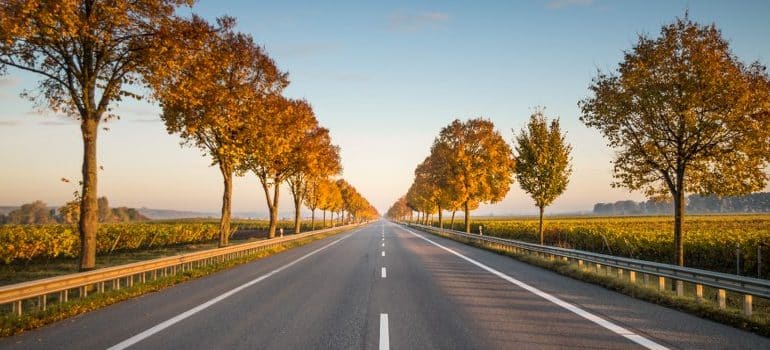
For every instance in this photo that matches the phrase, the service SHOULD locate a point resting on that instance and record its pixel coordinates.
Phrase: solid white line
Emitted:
(647, 343)
(384, 273)
(384, 336)
(383, 253)
(168, 323)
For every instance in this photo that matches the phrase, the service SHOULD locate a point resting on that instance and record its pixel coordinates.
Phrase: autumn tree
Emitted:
(684, 115)
(317, 196)
(315, 157)
(209, 85)
(542, 161)
(331, 200)
(272, 141)
(480, 161)
(87, 53)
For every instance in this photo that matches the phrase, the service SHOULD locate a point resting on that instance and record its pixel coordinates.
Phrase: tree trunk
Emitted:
(297, 204)
(453, 220)
(224, 220)
(88, 223)
(312, 219)
(679, 206)
(272, 205)
(540, 227)
(440, 219)
(467, 218)
(323, 223)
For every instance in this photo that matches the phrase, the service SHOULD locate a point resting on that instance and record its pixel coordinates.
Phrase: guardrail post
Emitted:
(599, 269)
(116, 284)
(722, 298)
(661, 283)
(100, 287)
(63, 296)
(620, 274)
(632, 277)
(16, 307)
(747, 309)
(679, 288)
(580, 264)
(83, 291)
(699, 292)
(43, 301)
(646, 279)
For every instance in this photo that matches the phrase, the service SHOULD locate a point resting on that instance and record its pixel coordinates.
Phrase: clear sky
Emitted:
(384, 76)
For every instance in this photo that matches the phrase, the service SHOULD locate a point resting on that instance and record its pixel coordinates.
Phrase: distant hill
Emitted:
(167, 214)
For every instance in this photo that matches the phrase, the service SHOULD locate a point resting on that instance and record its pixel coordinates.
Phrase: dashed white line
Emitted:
(647, 343)
(170, 322)
(384, 336)
(383, 253)
(383, 244)
(384, 273)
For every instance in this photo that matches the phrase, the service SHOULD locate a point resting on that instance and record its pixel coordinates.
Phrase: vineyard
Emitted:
(23, 243)
(710, 242)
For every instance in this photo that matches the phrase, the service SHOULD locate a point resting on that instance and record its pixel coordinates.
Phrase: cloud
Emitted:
(411, 22)
(560, 4)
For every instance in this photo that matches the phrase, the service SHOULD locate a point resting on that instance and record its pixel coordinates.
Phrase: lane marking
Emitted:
(647, 343)
(384, 273)
(383, 253)
(384, 336)
(383, 244)
(171, 321)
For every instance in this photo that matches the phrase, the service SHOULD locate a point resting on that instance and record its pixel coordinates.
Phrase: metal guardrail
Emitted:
(113, 278)
(747, 286)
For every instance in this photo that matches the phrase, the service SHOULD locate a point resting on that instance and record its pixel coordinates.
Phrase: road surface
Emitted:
(385, 286)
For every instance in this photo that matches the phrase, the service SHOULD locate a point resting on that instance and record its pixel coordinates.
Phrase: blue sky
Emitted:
(384, 77)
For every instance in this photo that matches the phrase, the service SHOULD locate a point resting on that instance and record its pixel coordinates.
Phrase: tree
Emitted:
(209, 86)
(105, 213)
(85, 51)
(271, 143)
(542, 162)
(480, 161)
(31, 213)
(317, 192)
(331, 200)
(684, 115)
(314, 158)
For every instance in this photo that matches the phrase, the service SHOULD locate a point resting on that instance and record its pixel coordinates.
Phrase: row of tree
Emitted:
(470, 163)
(218, 90)
(38, 212)
(682, 112)
(750, 203)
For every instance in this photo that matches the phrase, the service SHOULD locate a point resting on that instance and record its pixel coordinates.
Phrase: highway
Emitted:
(384, 286)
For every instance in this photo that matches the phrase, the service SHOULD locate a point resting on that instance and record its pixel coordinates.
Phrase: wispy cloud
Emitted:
(560, 4)
(411, 22)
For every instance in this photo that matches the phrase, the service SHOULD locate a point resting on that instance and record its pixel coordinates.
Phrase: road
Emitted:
(384, 286)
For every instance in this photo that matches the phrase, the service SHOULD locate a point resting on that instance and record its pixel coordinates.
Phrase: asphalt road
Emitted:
(383, 286)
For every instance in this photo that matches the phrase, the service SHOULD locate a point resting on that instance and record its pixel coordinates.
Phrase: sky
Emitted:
(384, 77)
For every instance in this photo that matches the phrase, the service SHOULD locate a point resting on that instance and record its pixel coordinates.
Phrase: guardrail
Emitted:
(35, 294)
(748, 287)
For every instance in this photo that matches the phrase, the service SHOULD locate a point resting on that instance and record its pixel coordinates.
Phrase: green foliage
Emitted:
(542, 159)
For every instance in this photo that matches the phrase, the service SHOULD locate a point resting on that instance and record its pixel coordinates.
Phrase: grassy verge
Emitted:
(758, 323)
(12, 324)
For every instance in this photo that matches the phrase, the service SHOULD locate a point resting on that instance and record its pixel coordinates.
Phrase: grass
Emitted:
(758, 323)
(11, 324)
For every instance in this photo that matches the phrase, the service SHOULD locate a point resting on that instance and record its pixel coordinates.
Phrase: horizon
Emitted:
(384, 78)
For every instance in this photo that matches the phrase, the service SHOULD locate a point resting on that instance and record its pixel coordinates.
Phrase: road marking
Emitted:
(384, 273)
(171, 321)
(384, 336)
(383, 253)
(647, 343)
(383, 244)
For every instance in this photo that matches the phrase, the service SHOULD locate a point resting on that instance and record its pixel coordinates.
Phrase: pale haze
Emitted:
(384, 77)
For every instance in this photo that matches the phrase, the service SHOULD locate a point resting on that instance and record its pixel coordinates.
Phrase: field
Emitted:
(710, 241)
(22, 244)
